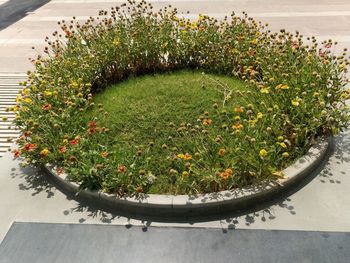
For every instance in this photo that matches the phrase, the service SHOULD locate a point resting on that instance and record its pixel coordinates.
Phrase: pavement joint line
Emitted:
(24, 41)
(35, 18)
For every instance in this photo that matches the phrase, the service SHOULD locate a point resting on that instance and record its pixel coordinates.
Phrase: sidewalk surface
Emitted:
(322, 205)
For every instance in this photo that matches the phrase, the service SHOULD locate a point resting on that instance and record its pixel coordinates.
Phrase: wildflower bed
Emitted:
(243, 135)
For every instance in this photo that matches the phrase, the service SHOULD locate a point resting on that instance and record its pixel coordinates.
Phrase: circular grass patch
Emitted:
(182, 132)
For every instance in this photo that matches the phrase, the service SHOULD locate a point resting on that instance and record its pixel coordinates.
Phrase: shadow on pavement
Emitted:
(14, 10)
(33, 181)
(341, 155)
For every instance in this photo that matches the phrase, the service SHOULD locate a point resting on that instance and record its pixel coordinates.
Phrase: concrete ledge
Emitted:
(171, 207)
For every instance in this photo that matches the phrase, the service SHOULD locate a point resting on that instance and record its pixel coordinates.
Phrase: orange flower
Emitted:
(222, 152)
(226, 174)
(207, 121)
(237, 126)
(187, 156)
(239, 109)
(121, 169)
(104, 154)
(29, 147)
(47, 107)
(138, 189)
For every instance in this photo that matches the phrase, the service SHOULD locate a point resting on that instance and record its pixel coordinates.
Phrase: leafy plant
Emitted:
(293, 93)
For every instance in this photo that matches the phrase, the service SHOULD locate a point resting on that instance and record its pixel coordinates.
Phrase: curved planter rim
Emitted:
(172, 207)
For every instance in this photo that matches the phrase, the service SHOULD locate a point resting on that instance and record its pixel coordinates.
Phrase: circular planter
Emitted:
(212, 205)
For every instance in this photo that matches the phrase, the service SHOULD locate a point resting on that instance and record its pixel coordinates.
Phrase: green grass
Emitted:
(149, 110)
(143, 109)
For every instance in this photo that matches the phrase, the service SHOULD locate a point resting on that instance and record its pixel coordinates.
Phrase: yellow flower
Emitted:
(252, 122)
(28, 100)
(181, 155)
(65, 141)
(263, 153)
(185, 156)
(47, 93)
(283, 145)
(265, 90)
(194, 25)
(116, 42)
(25, 91)
(282, 87)
(295, 102)
(18, 98)
(280, 138)
(75, 84)
(201, 17)
(259, 115)
(164, 146)
(175, 18)
(285, 155)
(44, 152)
(279, 175)
(14, 109)
(185, 174)
(254, 41)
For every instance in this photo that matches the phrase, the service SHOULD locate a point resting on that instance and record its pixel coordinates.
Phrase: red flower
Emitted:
(27, 133)
(16, 153)
(92, 124)
(92, 127)
(74, 142)
(322, 53)
(328, 45)
(295, 45)
(62, 149)
(29, 147)
(121, 169)
(47, 107)
(91, 130)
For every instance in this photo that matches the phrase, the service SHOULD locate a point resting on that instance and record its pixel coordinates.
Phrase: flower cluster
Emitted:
(231, 145)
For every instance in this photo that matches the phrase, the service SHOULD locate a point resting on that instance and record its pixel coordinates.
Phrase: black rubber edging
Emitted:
(183, 207)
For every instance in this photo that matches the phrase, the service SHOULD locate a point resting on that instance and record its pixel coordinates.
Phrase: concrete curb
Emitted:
(171, 207)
